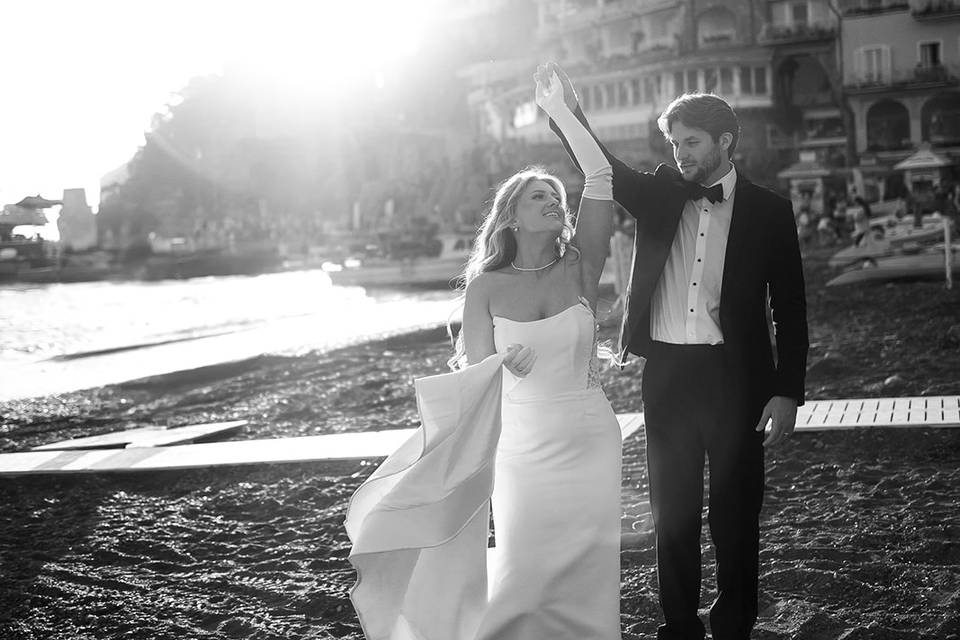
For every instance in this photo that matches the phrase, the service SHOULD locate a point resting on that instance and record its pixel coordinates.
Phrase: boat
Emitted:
(441, 270)
(18, 253)
(889, 237)
(251, 260)
(927, 265)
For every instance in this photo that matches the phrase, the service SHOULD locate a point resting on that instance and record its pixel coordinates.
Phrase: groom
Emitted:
(712, 250)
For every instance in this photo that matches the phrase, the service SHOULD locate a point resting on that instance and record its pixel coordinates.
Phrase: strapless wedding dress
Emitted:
(546, 449)
(555, 570)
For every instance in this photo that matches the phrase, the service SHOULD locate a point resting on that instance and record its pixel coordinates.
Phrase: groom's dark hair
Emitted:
(702, 111)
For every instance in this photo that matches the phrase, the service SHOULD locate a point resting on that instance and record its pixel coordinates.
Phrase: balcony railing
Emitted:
(578, 17)
(781, 34)
(889, 143)
(933, 73)
(918, 76)
(936, 10)
(880, 7)
(719, 39)
(654, 52)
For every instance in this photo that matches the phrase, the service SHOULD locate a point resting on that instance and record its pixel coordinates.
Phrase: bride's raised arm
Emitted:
(595, 216)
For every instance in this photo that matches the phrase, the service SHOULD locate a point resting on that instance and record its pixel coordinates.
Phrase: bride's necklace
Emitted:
(551, 263)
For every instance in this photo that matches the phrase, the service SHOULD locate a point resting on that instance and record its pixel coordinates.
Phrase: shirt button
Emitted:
(699, 260)
(694, 284)
(701, 235)
(691, 310)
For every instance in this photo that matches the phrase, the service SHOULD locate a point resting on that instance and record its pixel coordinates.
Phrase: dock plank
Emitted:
(341, 446)
(817, 415)
(926, 411)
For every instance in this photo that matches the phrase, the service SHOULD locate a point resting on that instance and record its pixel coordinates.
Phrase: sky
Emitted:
(80, 81)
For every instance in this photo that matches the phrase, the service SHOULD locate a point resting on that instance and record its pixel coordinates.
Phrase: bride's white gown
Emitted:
(550, 453)
(555, 571)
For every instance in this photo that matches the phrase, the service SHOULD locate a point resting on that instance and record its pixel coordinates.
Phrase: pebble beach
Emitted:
(860, 529)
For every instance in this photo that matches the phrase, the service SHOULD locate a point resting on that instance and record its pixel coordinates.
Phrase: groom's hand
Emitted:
(781, 412)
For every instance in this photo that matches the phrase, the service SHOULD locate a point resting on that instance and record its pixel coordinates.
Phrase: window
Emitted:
(693, 82)
(678, 82)
(873, 63)
(710, 80)
(746, 80)
(717, 25)
(651, 88)
(623, 94)
(726, 81)
(586, 98)
(930, 54)
(635, 91)
(760, 80)
(888, 126)
(524, 114)
(799, 12)
(598, 97)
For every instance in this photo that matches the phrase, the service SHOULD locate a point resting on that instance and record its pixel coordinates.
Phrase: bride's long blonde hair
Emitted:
(496, 245)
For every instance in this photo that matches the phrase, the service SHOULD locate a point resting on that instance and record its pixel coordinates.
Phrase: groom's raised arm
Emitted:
(631, 188)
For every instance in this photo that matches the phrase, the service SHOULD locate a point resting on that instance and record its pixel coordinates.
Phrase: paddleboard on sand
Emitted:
(146, 437)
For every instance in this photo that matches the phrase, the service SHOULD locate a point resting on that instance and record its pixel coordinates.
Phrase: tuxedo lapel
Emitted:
(652, 244)
(737, 253)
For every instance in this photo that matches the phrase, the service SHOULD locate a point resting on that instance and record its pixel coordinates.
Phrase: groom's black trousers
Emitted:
(698, 404)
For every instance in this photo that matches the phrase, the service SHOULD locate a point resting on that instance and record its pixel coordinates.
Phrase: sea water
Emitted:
(62, 337)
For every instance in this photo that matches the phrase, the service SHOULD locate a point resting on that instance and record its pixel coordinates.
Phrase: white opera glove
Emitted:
(550, 97)
(597, 172)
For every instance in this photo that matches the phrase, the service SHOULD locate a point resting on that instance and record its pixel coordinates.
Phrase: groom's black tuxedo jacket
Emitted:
(763, 255)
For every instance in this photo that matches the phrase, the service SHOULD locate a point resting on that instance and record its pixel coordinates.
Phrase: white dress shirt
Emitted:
(685, 307)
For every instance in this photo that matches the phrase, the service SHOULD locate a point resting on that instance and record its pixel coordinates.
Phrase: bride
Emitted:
(531, 295)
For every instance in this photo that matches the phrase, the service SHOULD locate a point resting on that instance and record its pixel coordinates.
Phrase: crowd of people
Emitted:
(849, 220)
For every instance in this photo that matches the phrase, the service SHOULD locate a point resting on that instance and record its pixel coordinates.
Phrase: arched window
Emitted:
(716, 26)
(940, 119)
(888, 126)
(803, 82)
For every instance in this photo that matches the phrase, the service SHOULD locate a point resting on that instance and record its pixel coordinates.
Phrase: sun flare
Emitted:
(82, 100)
(322, 47)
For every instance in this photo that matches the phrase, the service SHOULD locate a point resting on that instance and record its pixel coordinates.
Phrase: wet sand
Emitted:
(861, 529)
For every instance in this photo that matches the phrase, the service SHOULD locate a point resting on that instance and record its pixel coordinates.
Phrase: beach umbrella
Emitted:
(37, 202)
(924, 158)
(804, 169)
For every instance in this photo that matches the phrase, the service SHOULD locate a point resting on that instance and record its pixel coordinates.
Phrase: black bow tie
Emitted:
(696, 191)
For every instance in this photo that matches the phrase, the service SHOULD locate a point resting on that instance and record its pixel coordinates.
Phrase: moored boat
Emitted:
(442, 270)
(927, 265)
(889, 238)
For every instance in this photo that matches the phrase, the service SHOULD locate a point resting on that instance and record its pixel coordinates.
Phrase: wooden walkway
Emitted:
(929, 411)
(939, 411)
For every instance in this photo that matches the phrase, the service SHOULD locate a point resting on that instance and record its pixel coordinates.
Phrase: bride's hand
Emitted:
(549, 92)
(519, 360)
